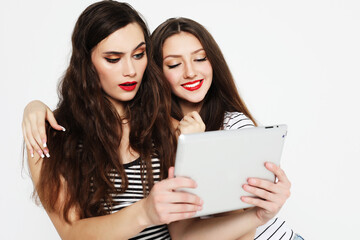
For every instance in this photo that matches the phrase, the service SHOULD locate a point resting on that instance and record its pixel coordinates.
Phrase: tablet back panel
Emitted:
(221, 161)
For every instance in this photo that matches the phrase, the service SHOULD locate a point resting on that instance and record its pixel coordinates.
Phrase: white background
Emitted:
(295, 62)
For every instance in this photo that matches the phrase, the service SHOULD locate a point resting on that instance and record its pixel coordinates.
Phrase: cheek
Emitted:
(104, 74)
(142, 66)
(208, 71)
(171, 77)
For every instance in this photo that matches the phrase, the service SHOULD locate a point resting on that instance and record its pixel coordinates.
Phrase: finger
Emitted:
(264, 184)
(180, 182)
(53, 123)
(187, 119)
(32, 141)
(27, 143)
(36, 134)
(259, 192)
(268, 206)
(171, 172)
(279, 173)
(196, 116)
(40, 130)
(184, 197)
(183, 208)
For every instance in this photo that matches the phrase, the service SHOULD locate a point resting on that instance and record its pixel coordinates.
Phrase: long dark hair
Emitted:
(84, 155)
(223, 95)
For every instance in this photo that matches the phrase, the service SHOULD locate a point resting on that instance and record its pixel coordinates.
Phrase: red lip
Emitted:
(128, 86)
(193, 88)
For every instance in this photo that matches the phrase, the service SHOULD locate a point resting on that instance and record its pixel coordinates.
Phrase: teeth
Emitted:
(192, 85)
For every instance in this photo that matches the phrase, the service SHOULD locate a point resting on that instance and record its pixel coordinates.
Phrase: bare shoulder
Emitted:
(63, 228)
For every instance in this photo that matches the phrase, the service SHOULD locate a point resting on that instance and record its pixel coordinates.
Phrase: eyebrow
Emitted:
(121, 53)
(177, 56)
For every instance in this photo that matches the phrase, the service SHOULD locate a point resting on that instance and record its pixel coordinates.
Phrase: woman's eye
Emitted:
(201, 59)
(173, 66)
(112, 60)
(139, 55)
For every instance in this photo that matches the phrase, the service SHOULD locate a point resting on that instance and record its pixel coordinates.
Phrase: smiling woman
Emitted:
(187, 69)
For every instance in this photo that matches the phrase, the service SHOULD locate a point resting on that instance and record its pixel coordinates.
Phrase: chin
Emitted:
(196, 100)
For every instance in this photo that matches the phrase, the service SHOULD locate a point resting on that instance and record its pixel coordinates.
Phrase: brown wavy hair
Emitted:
(88, 151)
(223, 95)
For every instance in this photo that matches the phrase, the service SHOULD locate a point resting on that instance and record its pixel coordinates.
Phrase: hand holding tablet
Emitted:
(222, 163)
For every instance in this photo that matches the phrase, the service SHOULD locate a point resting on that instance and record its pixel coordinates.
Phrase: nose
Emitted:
(129, 69)
(189, 71)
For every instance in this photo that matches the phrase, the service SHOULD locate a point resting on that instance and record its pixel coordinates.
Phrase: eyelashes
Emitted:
(135, 56)
(201, 59)
(139, 55)
(195, 60)
(173, 66)
(112, 60)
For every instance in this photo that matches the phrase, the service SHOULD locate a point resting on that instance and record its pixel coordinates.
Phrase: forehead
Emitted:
(181, 43)
(123, 40)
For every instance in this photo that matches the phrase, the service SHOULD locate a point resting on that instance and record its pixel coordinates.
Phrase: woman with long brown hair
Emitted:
(102, 180)
(202, 84)
(225, 227)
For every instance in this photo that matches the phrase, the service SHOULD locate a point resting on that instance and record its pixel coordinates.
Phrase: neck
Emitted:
(187, 107)
(119, 106)
(127, 154)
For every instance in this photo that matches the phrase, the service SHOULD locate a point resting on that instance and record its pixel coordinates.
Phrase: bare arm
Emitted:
(225, 227)
(162, 206)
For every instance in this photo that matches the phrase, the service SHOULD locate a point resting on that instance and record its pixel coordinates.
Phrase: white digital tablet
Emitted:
(221, 162)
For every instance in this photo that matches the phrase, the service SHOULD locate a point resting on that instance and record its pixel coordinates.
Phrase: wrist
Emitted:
(254, 213)
(143, 218)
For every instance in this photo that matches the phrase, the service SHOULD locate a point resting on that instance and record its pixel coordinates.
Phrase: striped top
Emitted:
(275, 229)
(134, 193)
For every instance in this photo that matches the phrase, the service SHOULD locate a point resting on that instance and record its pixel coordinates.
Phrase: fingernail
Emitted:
(269, 164)
(63, 129)
(44, 144)
(42, 155)
(251, 181)
(46, 153)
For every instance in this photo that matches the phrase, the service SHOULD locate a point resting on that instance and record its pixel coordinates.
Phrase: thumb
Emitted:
(51, 119)
(171, 173)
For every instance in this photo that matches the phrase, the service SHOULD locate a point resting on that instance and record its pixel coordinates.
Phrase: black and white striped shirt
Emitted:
(275, 229)
(134, 193)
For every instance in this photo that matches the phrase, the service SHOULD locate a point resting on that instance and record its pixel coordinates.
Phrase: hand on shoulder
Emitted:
(33, 127)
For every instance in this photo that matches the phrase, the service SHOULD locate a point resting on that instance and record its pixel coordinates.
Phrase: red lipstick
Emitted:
(128, 86)
(194, 85)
